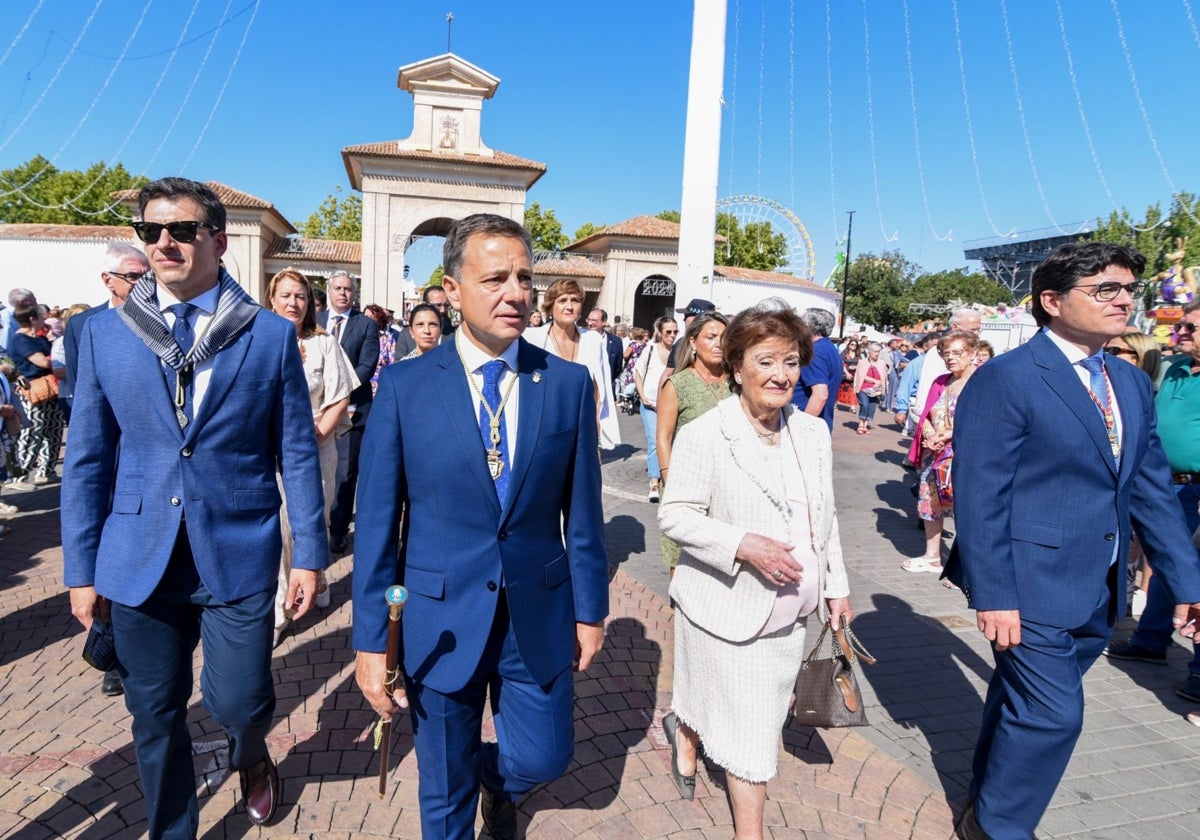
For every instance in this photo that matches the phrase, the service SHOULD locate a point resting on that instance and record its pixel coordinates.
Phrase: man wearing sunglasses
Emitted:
(1178, 404)
(1056, 465)
(194, 397)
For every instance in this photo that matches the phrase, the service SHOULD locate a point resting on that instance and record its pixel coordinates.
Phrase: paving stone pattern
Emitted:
(67, 767)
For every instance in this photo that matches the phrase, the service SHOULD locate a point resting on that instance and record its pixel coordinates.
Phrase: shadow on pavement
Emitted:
(920, 681)
(614, 708)
(624, 535)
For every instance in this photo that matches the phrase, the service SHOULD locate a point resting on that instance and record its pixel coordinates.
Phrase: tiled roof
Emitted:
(561, 264)
(228, 195)
(316, 250)
(754, 275)
(648, 227)
(391, 148)
(35, 231)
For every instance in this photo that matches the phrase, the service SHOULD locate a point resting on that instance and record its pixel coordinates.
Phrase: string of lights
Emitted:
(962, 73)
(829, 121)
(86, 115)
(1012, 66)
(871, 129)
(53, 79)
(21, 32)
(912, 98)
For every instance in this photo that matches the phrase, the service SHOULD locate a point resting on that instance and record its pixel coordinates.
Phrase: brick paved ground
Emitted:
(67, 769)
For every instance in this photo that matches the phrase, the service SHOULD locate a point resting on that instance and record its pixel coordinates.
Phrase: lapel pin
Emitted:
(537, 377)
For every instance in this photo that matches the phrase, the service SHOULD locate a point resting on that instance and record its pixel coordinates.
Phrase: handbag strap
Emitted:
(844, 643)
(845, 640)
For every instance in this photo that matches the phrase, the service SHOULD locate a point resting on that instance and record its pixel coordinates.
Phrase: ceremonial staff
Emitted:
(396, 596)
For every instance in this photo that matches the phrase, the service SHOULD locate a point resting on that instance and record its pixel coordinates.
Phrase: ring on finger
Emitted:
(777, 574)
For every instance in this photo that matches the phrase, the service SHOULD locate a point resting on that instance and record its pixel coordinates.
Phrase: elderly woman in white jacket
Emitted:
(750, 503)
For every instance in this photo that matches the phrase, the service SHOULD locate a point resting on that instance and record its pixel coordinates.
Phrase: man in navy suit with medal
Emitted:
(485, 447)
(1056, 465)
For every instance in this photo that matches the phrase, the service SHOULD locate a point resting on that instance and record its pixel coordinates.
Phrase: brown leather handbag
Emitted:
(827, 693)
(39, 390)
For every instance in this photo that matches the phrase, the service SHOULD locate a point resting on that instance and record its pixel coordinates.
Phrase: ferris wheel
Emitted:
(800, 260)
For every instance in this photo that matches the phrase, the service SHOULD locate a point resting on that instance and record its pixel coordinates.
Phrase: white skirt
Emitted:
(736, 696)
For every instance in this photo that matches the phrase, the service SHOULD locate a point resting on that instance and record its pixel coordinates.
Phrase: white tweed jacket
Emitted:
(718, 492)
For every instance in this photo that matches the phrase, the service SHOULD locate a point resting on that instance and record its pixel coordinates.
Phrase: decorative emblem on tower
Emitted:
(449, 141)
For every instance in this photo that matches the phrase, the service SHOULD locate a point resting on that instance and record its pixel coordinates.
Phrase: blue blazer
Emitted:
(423, 451)
(1039, 499)
(360, 340)
(131, 474)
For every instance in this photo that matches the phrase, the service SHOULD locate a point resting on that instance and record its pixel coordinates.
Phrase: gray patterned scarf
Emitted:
(235, 312)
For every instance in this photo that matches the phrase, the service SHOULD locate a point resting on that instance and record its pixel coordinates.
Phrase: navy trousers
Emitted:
(534, 730)
(155, 642)
(349, 446)
(1032, 718)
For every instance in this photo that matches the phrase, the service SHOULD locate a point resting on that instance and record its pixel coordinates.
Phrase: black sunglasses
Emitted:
(182, 232)
(1187, 327)
(1120, 351)
(130, 278)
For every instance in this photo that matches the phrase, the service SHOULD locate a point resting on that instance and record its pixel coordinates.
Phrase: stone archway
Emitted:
(655, 296)
(442, 172)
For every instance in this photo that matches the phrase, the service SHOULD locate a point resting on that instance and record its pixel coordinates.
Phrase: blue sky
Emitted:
(598, 92)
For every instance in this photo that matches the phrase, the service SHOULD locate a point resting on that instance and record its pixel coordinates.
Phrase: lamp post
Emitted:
(846, 277)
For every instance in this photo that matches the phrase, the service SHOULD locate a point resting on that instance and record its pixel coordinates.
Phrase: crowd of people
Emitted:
(265, 444)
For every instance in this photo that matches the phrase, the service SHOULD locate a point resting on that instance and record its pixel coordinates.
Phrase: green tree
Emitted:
(944, 286)
(669, 216)
(41, 193)
(756, 245)
(544, 228)
(435, 278)
(880, 288)
(586, 230)
(335, 219)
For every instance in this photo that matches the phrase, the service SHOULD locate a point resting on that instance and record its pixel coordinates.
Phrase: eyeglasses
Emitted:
(1187, 327)
(1108, 291)
(1120, 351)
(182, 232)
(442, 306)
(952, 354)
(131, 278)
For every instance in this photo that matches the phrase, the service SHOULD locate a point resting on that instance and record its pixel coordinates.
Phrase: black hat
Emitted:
(697, 306)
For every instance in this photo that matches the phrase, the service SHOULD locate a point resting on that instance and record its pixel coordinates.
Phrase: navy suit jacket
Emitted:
(132, 475)
(1039, 499)
(71, 334)
(616, 353)
(360, 339)
(423, 451)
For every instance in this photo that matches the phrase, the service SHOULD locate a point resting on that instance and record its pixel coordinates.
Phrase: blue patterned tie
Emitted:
(1097, 384)
(184, 336)
(492, 371)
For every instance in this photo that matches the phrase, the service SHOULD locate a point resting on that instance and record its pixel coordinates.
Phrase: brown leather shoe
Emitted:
(260, 791)
(499, 815)
(968, 827)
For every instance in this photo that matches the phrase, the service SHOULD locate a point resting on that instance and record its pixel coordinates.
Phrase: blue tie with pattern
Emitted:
(497, 450)
(1097, 384)
(184, 336)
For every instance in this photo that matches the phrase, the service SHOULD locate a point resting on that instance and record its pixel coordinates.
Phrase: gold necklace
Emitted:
(495, 463)
(558, 347)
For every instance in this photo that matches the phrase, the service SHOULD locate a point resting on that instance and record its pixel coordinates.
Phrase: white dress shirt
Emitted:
(206, 305)
(476, 359)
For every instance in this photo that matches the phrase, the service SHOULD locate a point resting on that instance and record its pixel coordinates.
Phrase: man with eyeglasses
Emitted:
(124, 264)
(1056, 465)
(359, 336)
(1178, 405)
(435, 296)
(195, 399)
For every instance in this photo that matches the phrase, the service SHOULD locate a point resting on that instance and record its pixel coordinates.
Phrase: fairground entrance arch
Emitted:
(441, 173)
(655, 297)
